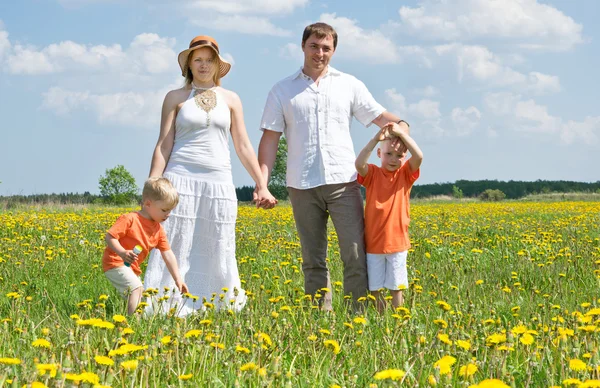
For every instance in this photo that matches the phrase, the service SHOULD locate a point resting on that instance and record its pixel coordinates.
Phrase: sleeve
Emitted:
(411, 176)
(163, 244)
(364, 106)
(121, 226)
(367, 179)
(272, 118)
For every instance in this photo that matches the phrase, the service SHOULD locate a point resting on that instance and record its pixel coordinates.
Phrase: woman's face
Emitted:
(203, 64)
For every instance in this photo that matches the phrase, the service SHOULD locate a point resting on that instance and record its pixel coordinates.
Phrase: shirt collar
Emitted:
(330, 71)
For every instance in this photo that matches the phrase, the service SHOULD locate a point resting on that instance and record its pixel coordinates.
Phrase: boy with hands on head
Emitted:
(141, 228)
(387, 209)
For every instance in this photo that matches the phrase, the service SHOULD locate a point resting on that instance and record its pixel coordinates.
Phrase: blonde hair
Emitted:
(189, 77)
(160, 189)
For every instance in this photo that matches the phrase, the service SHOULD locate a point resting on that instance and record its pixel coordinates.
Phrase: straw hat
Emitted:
(196, 43)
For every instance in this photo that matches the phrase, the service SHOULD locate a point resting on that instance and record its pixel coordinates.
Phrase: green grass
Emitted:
(494, 267)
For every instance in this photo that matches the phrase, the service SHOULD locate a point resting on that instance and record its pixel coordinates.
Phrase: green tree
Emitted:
(457, 192)
(277, 185)
(117, 186)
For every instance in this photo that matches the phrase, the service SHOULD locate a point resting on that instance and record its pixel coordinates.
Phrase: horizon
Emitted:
(492, 90)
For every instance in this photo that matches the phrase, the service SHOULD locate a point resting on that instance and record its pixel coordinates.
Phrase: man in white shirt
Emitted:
(314, 108)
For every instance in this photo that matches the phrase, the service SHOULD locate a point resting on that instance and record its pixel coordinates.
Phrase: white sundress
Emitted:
(201, 229)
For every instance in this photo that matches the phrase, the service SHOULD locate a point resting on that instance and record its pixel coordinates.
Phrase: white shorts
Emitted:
(124, 280)
(387, 270)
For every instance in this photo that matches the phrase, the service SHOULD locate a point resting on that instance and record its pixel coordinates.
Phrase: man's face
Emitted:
(317, 52)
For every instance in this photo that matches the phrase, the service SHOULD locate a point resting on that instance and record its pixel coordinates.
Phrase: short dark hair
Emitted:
(320, 30)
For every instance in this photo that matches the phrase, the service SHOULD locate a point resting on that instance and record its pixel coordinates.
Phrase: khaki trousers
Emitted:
(312, 208)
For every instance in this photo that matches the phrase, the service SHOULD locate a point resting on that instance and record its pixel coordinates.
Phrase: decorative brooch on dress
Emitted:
(206, 99)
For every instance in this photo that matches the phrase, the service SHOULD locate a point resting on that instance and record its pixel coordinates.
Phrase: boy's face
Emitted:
(157, 210)
(391, 159)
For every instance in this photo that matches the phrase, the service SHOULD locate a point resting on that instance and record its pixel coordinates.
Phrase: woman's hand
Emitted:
(264, 199)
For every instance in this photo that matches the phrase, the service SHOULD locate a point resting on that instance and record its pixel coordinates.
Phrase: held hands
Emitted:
(395, 132)
(263, 198)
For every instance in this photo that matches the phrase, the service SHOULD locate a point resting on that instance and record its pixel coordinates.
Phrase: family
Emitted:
(189, 205)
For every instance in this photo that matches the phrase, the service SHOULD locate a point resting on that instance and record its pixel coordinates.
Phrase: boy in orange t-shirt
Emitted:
(387, 209)
(120, 262)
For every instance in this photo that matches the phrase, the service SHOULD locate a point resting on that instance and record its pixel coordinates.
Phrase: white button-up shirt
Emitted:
(316, 122)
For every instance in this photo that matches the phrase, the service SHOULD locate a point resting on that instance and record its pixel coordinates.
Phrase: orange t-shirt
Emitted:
(387, 209)
(132, 229)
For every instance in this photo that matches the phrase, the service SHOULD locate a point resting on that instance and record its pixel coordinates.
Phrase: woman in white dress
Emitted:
(193, 153)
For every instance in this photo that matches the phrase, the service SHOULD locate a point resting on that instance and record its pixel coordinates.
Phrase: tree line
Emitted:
(117, 186)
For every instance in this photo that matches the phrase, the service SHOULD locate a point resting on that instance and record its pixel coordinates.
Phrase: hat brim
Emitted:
(182, 58)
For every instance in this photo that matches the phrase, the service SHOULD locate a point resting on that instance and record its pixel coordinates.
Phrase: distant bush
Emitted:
(492, 195)
(457, 192)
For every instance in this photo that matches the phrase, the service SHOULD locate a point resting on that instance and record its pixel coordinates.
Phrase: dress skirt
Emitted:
(201, 231)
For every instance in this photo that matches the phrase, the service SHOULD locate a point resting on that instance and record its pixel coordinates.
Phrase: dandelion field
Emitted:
(502, 294)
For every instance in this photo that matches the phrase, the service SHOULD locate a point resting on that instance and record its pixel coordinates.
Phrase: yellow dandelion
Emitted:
(9, 361)
(577, 365)
(193, 333)
(185, 377)
(590, 384)
(119, 318)
(390, 374)
(467, 370)
(129, 365)
(250, 366)
(491, 383)
(444, 364)
(333, 345)
(569, 382)
(103, 360)
(360, 321)
(41, 343)
(466, 345)
(444, 338)
(526, 339)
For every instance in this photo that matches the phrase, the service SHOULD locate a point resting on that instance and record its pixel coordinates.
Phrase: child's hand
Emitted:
(183, 288)
(396, 129)
(128, 256)
(384, 133)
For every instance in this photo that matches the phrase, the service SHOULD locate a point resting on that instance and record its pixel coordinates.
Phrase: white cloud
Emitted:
(5, 45)
(356, 43)
(529, 116)
(542, 83)
(292, 51)
(528, 23)
(127, 109)
(271, 7)
(424, 114)
(254, 25)
(147, 54)
(465, 121)
(427, 91)
(229, 58)
(480, 64)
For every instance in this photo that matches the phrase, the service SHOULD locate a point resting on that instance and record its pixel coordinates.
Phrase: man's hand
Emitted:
(263, 198)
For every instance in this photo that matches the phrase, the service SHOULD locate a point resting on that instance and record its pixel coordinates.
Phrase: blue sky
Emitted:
(493, 89)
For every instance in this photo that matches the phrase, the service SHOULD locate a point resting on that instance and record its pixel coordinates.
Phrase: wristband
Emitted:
(402, 121)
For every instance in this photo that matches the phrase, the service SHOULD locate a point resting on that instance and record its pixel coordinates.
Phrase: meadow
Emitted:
(502, 294)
